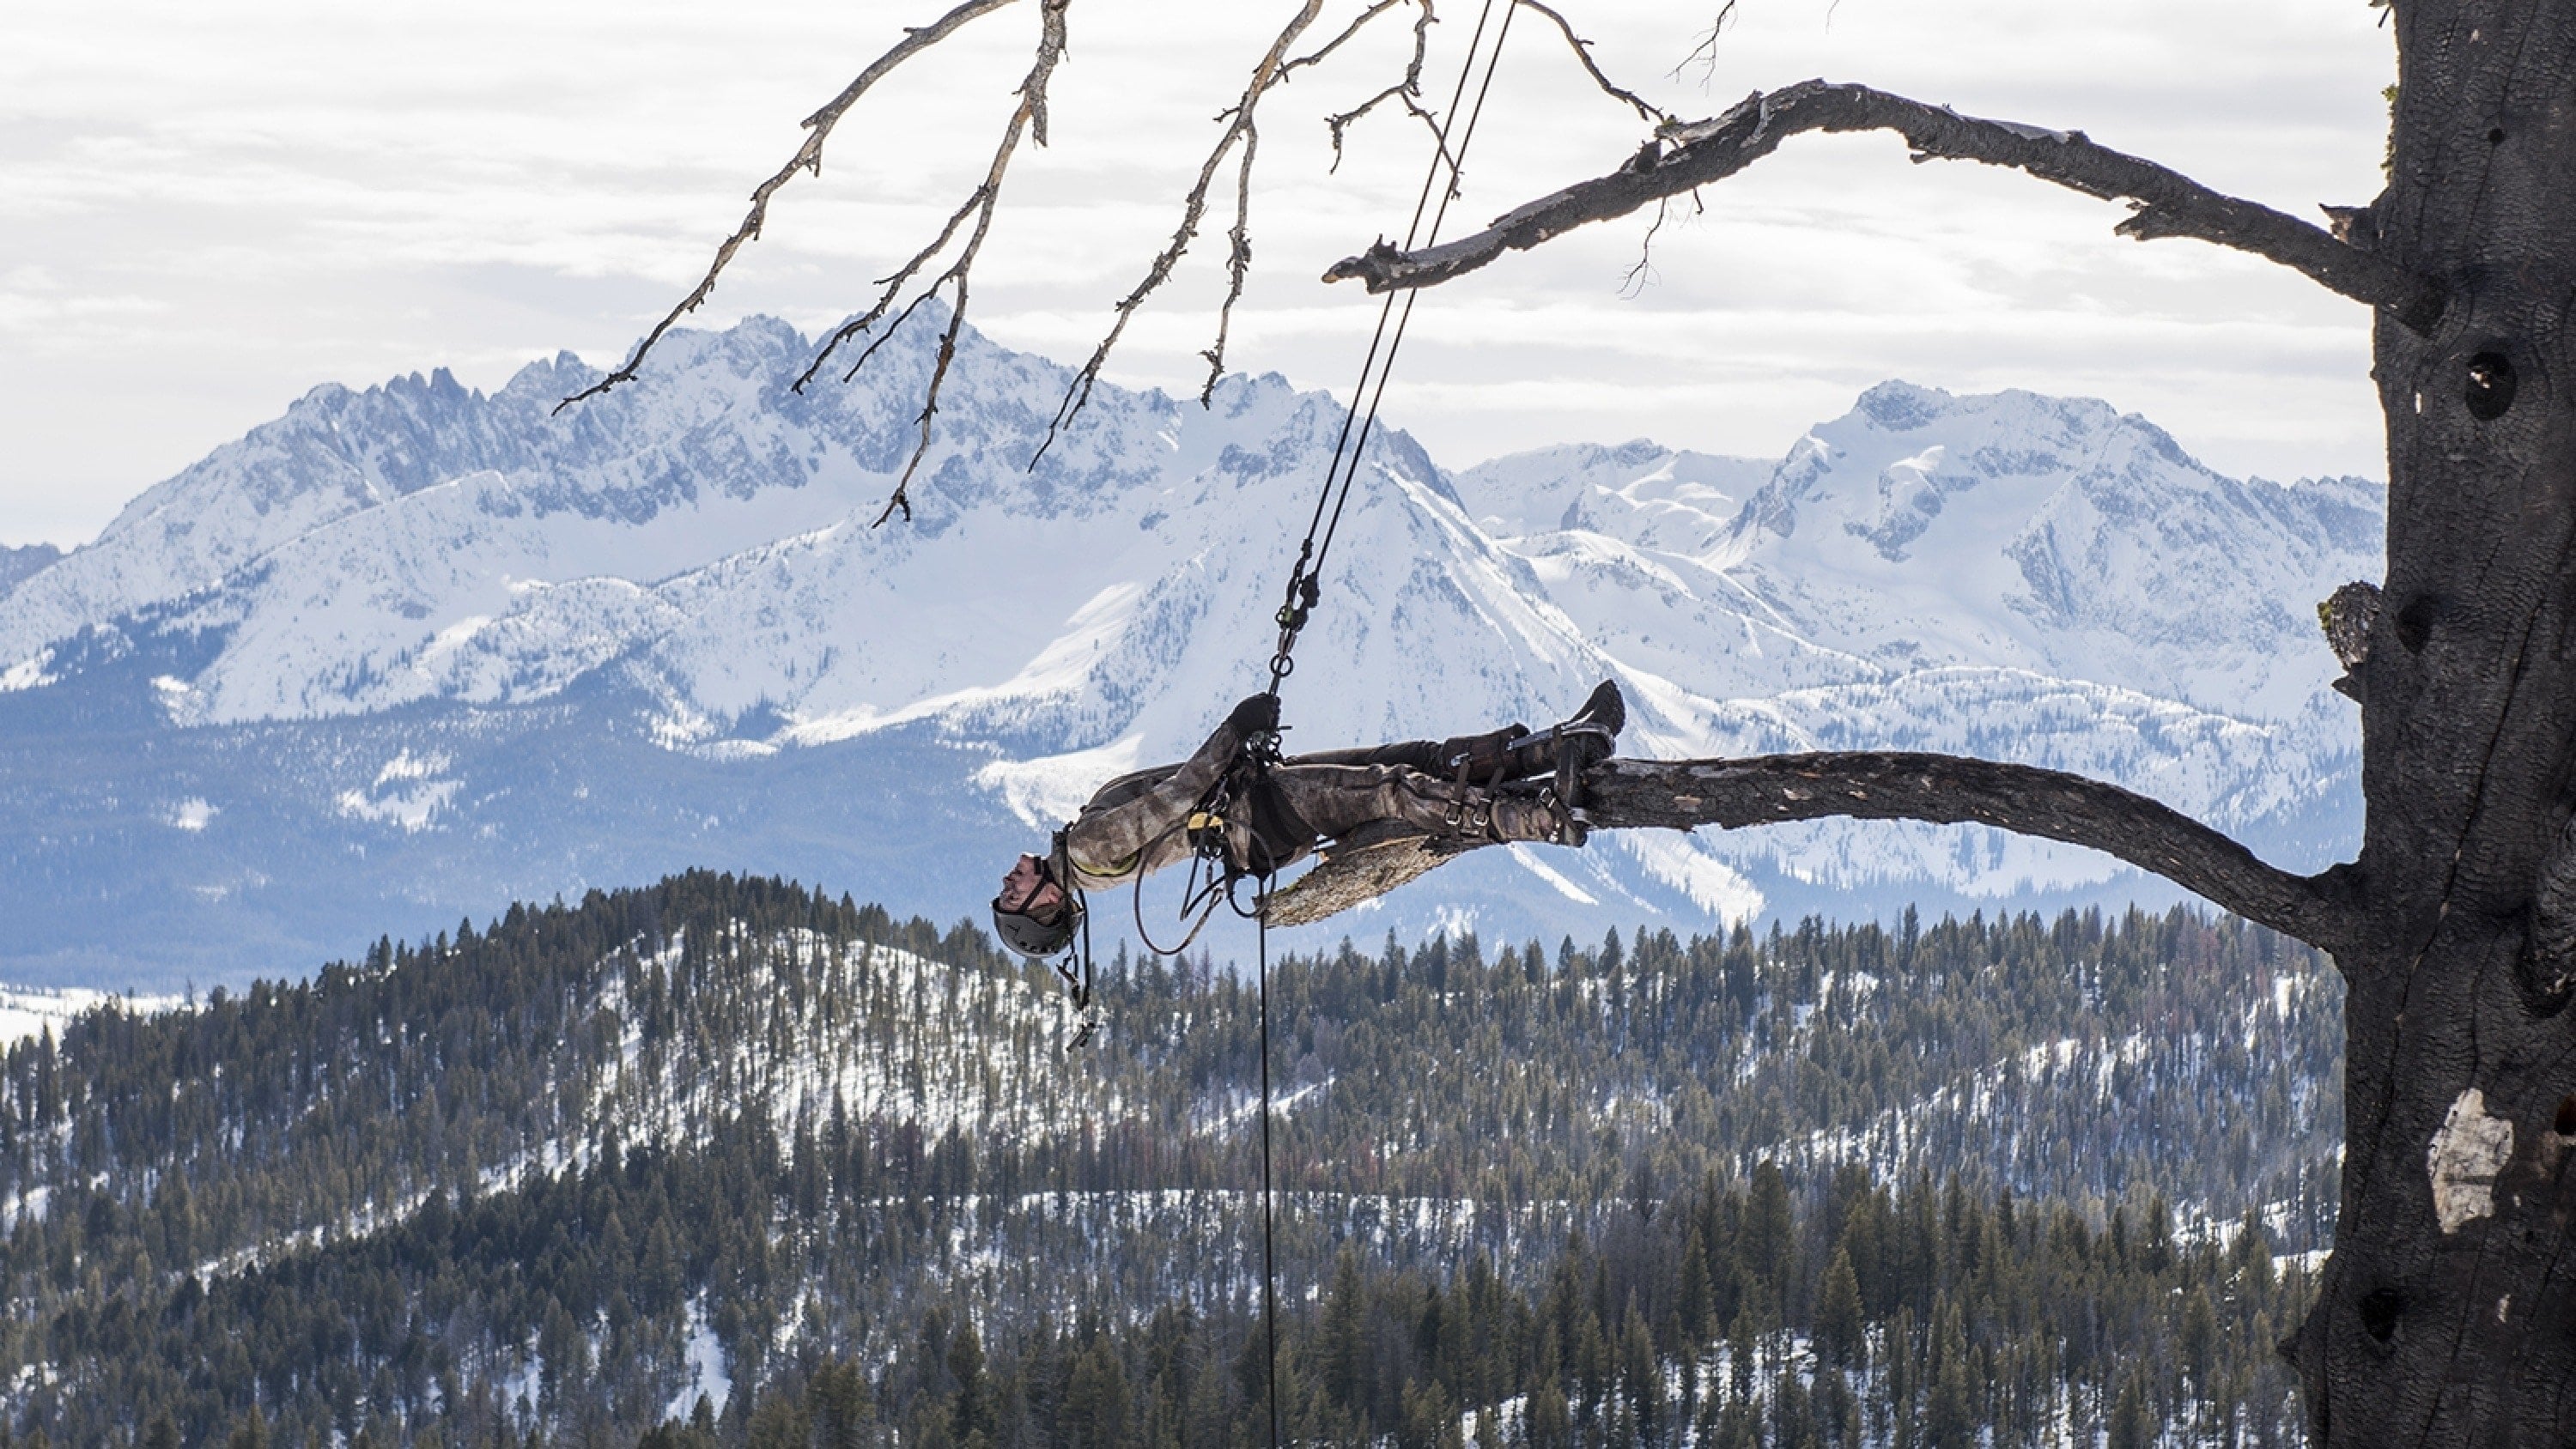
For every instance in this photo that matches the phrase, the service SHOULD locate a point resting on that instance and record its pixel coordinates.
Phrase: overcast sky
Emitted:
(212, 208)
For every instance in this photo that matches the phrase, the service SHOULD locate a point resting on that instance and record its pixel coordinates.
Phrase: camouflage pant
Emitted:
(1139, 823)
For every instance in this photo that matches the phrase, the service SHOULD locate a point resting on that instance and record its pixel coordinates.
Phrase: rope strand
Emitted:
(1269, 1267)
(1305, 588)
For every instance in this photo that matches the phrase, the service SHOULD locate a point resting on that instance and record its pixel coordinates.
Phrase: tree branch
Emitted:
(808, 158)
(1273, 69)
(1241, 131)
(2164, 202)
(1582, 49)
(1946, 789)
(1705, 51)
(1030, 118)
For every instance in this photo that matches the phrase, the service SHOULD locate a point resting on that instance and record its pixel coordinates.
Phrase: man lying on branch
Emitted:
(1254, 813)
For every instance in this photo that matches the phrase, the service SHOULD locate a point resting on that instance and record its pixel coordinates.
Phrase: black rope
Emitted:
(1195, 899)
(1466, 138)
(1305, 588)
(1269, 1267)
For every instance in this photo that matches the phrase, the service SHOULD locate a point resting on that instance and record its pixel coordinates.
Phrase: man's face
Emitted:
(1027, 891)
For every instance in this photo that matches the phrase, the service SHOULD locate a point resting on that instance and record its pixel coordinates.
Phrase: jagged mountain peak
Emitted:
(462, 601)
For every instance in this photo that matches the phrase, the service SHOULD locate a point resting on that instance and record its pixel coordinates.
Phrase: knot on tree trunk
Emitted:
(2348, 616)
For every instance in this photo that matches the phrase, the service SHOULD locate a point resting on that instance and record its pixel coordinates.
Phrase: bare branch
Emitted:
(1942, 789)
(1643, 274)
(1403, 96)
(1582, 49)
(1705, 52)
(1238, 265)
(808, 158)
(1239, 130)
(2164, 202)
(1421, 38)
(974, 205)
(1030, 116)
(1359, 870)
(1898, 785)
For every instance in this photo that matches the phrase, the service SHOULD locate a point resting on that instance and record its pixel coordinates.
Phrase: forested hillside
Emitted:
(561, 1178)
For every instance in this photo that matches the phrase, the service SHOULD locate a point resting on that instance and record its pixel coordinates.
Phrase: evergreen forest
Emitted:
(727, 1161)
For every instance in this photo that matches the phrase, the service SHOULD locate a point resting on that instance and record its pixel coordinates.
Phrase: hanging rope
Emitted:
(1302, 594)
(1305, 588)
(1269, 1266)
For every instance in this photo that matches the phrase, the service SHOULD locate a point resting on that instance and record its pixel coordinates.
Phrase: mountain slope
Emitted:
(703, 1136)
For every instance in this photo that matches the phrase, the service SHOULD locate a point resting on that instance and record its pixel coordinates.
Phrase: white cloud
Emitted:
(222, 206)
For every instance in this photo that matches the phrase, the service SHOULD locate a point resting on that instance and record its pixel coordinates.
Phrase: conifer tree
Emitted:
(1840, 1328)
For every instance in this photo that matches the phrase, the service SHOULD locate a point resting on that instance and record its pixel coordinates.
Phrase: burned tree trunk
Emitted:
(2448, 1312)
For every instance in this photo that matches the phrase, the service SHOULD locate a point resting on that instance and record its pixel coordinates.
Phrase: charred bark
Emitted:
(2164, 203)
(1874, 785)
(1947, 789)
(2447, 1314)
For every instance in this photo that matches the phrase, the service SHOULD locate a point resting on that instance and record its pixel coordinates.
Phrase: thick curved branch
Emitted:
(1946, 789)
(2164, 202)
(808, 158)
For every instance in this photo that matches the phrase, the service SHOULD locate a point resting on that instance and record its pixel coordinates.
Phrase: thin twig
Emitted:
(1582, 49)
(1238, 265)
(1030, 116)
(2163, 201)
(1642, 275)
(894, 286)
(1705, 51)
(1421, 28)
(882, 338)
(808, 158)
(1239, 130)
(1409, 86)
(1405, 97)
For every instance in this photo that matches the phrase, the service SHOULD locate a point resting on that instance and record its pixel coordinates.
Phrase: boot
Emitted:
(1479, 756)
(1570, 748)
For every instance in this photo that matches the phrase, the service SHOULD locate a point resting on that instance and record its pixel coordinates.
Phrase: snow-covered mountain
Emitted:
(410, 652)
(18, 563)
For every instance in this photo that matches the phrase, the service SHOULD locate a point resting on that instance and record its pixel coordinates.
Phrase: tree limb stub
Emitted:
(1947, 789)
(2165, 202)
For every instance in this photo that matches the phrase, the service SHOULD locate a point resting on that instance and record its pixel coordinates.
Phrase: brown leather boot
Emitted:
(1479, 755)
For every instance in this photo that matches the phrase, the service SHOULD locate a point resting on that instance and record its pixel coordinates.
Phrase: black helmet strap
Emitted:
(1074, 967)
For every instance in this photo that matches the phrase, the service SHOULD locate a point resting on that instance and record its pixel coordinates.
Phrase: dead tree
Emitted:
(2447, 1313)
